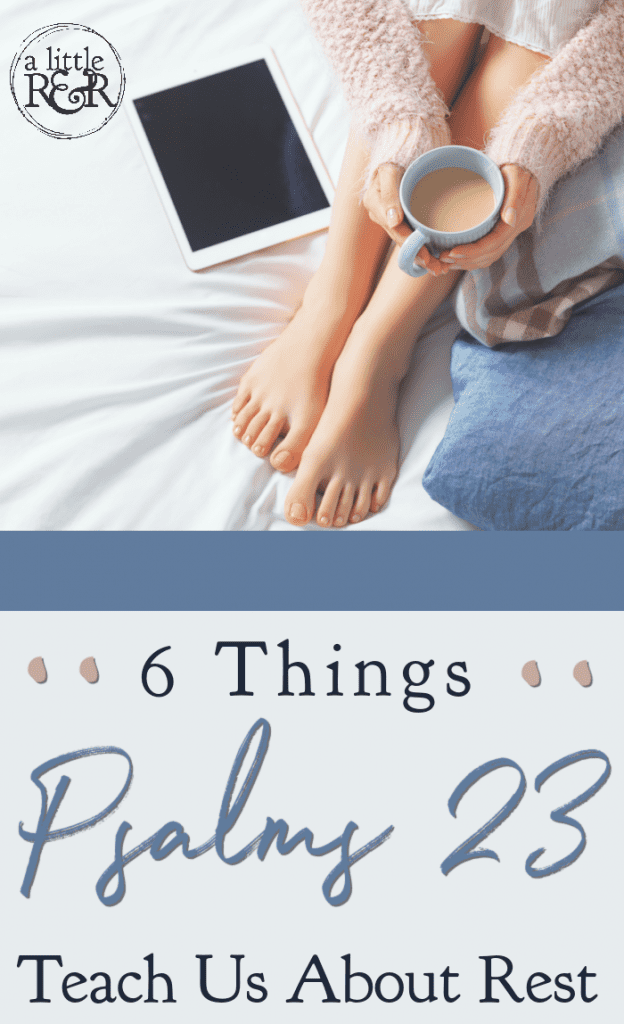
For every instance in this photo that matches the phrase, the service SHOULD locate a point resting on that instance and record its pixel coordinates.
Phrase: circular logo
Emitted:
(67, 80)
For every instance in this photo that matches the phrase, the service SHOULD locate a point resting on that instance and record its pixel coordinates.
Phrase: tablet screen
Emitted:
(230, 154)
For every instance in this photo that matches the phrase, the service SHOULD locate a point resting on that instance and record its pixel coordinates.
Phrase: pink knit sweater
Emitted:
(558, 119)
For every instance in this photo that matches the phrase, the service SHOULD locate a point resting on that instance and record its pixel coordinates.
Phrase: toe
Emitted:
(362, 502)
(344, 505)
(287, 455)
(380, 495)
(377, 497)
(267, 437)
(301, 498)
(327, 508)
(244, 418)
(242, 397)
(254, 427)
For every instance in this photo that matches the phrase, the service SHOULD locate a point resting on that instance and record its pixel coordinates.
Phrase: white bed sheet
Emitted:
(117, 363)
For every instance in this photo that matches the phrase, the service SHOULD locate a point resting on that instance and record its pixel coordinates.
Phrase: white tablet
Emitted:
(231, 157)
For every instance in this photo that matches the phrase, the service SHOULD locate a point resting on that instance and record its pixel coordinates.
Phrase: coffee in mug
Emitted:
(450, 195)
(452, 199)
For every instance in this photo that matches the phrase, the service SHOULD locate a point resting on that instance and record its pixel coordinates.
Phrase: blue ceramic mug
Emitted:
(438, 241)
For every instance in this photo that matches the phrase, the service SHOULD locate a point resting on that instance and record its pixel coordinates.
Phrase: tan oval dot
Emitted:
(88, 670)
(582, 673)
(530, 673)
(37, 670)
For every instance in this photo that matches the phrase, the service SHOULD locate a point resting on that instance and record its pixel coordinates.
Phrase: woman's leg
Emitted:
(503, 69)
(353, 453)
(285, 389)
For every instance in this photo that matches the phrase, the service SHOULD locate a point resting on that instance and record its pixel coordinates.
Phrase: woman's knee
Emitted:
(503, 69)
(450, 47)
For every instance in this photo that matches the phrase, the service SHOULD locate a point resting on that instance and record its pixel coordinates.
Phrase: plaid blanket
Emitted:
(576, 252)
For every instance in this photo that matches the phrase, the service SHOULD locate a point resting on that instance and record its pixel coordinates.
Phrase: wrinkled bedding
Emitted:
(118, 364)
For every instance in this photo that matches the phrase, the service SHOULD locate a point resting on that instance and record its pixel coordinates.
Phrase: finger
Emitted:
(430, 263)
(520, 195)
(500, 236)
(424, 258)
(378, 216)
(399, 234)
(388, 181)
(515, 194)
(485, 261)
(478, 264)
(479, 260)
(481, 264)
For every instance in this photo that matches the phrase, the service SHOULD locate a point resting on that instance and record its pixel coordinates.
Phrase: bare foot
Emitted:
(353, 453)
(285, 390)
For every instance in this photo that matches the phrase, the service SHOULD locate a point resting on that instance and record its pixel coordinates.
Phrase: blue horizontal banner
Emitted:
(376, 571)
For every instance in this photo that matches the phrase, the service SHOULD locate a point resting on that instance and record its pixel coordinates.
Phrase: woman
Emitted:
(545, 91)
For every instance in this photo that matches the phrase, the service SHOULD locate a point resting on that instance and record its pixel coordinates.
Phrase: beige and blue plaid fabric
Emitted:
(576, 252)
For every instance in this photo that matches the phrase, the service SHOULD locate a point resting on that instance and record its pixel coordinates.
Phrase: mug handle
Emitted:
(408, 252)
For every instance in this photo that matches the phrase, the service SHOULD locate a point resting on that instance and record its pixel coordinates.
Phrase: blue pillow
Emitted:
(536, 438)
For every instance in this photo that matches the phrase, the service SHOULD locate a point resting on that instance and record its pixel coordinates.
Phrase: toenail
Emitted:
(280, 459)
(355, 518)
(238, 431)
(258, 449)
(298, 511)
(324, 520)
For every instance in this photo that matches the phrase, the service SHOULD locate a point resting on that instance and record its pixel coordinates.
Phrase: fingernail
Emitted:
(355, 518)
(247, 439)
(419, 263)
(280, 459)
(298, 511)
(509, 217)
(392, 216)
(238, 431)
(339, 521)
(258, 449)
(446, 259)
(324, 520)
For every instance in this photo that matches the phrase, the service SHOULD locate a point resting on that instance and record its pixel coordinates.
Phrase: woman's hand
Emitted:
(517, 214)
(383, 203)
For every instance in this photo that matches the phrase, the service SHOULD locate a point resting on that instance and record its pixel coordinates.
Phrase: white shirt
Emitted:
(542, 25)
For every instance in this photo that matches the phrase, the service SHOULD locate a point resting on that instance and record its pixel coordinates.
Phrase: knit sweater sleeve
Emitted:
(560, 117)
(375, 48)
